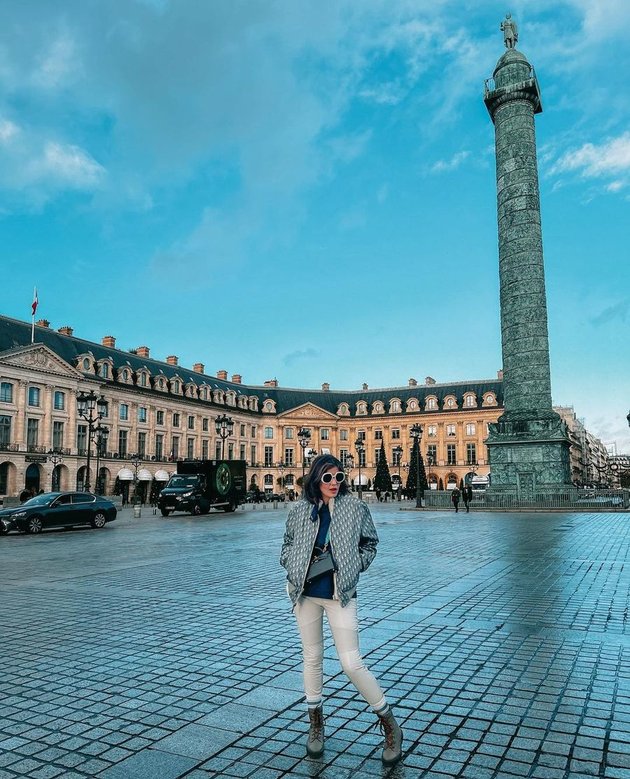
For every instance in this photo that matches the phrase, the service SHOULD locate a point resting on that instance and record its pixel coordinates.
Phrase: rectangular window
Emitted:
(159, 446)
(253, 431)
(124, 411)
(268, 456)
(432, 454)
(343, 435)
(243, 452)
(190, 448)
(377, 454)
(288, 432)
(362, 458)
(59, 401)
(122, 443)
(361, 435)
(205, 449)
(142, 444)
(175, 447)
(5, 431)
(81, 440)
(243, 434)
(432, 431)
(33, 396)
(159, 418)
(288, 455)
(32, 433)
(217, 450)
(471, 454)
(204, 424)
(142, 414)
(191, 422)
(396, 457)
(471, 428)
(451, 458)
(230, 450)
(269, 432)
(450, 431)
(324, 434)
(252, 455)
(6, 392)
(343, 455)
(57, 435)
(378, 435)
(175, 419)
(395, 434)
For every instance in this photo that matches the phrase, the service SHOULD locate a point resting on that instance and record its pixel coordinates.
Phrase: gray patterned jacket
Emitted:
(353, 540)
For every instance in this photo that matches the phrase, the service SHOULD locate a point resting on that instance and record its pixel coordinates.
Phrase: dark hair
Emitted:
(314, 476)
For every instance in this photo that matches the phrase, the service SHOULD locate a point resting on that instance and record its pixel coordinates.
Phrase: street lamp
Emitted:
(416, 433)
(360, 447)
(281, 467)
(56, 459)
(224, 425)
(135, 461)
(304, 436)
(92, 409)
(348, 465)
(429, 463)
(101, 434)
(398, 450)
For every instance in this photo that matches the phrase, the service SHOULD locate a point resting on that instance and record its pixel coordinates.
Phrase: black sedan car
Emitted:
(58, 509)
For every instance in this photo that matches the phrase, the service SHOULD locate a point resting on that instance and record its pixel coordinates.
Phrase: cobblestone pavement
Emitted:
(156, 649)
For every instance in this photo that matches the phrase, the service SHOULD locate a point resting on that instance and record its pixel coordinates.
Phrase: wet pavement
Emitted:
(158, 649)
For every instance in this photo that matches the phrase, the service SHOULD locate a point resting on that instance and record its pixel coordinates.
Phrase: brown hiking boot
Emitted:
(392, 747)
(315, 743)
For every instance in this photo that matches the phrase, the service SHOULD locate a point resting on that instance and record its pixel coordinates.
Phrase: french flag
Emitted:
(35, 301)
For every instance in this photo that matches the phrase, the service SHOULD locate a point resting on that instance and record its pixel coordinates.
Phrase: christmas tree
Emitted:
(416, 457)
(382, 480)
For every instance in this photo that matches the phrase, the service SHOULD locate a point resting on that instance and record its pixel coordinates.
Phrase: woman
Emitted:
(328, 519)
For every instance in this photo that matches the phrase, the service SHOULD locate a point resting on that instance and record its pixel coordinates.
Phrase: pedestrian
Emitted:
(467, 496)
(329, 540)
(455, 495)
(25, 495)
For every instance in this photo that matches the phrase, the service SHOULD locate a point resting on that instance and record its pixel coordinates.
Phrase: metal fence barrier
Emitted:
(574, 500)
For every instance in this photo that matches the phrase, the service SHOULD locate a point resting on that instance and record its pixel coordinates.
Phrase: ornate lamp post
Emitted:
(56, 459)
(416, 433)
(347, 467)
(224, 425)
(304, 436)
(281, 467)
(360, 447)
(398, 451)
(92, 409)
(429, 463)
(101, 434)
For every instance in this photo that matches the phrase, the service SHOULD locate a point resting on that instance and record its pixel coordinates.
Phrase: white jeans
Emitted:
(309, 613)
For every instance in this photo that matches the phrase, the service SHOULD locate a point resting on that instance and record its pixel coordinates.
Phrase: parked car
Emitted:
(58, 509)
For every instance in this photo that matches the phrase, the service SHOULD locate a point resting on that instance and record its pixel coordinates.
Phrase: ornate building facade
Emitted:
(159, 412)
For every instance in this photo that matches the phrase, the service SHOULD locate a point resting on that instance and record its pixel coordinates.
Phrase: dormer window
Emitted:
(343, 410)
(86, 364)
(103, 370)
(361, 408)
(470, 401)
(431, 403)
(394, 406)
(378, 407)
(489, 399)
(450, 402)
(412, 404)
(269, 407)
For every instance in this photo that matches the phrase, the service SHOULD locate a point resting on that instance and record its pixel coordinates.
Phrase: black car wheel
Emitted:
(98, 520)
(165, 512)
(196, 510)
(230, 507)
(3, 530)
(35, 525)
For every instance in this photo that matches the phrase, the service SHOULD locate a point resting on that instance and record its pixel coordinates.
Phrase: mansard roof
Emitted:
(15, 333)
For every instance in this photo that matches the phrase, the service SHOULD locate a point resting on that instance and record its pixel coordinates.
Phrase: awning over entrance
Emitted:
(125, 474)
(144, 475)
(161, 476)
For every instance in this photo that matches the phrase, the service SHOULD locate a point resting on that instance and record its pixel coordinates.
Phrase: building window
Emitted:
(204, 425)
(159, 446)
(122, 443)
(269, 480)
(361, 435)
(269, 432)
(450, 430)
(469, 401)
(253, 431)
(159, 418)
(142, 444)
(378, 435)
(59, 401)
(471, 454)
(6, 392)
(431, 404)
(125, 375)
(190, 448)
(343, 456)
(142, 414)
(362, 458)
(230, 450)
(432, 431)
(343, 435)
(175, 447)
(124, 411)
(471, 428)
(324, 434)
(243, 450)
(32, 433)
(396, 457)
(81, 440)
(175, 419)
(377, 456)
(143, 379)
(432, 454)
(57, 435)
(205, 446)
(288, 432)
(243, 434)
(252, 455)
(104, 371)
(268, 456)
(191, 422)
(450, 403)
(86, 364)
(451, 452)
(33, 396)
(288, 455)
(394, 407)
(217, 450)
(395, 434)
(5, 431)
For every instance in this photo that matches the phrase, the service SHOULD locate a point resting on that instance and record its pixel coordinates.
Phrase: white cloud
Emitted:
(610, 159)
(8, 130)
(57, 64)
(69, 165)
(444, 166)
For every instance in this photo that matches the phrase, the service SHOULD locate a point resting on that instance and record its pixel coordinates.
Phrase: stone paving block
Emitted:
(235, 718)
(149, 763)
(196, 741)
(271, 698)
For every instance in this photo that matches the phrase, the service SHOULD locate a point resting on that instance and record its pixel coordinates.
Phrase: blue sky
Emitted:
(305, 190)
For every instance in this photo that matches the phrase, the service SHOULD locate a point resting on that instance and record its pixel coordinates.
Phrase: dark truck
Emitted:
(200, 485)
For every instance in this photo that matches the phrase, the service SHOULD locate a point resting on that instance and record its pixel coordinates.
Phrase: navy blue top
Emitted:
(323, 586)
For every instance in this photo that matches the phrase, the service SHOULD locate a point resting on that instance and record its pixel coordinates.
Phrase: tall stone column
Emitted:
(528, 447)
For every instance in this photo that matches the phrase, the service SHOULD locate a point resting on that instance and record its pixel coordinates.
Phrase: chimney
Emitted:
(413, 383)
(429, 380)
(500, 374)
(222, 375)
(66, 330)
(326, 387)
(237, 378)
(142, 351)
(271, 383)
(199, 367)
(109, 340)
(172, 360)
(42, 323)
(365, 386)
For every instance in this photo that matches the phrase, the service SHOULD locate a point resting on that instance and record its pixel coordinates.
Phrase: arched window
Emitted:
(450, 402)
(431, 403)
(489, 399)
(343, 410)
(412, 404)
(104, 371)
(470, 401)
(86, 364)
(361, 408)
(394, 406)
(378, 407)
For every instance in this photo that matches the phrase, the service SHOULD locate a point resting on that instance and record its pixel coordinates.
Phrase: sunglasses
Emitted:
(338, 477)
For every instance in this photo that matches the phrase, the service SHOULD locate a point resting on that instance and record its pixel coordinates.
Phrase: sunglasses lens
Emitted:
(328, 477)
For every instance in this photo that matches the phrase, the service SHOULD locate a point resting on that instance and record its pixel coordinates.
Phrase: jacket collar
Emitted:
(316, 508)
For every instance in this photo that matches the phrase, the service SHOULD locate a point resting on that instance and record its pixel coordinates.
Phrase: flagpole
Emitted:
(34, 309)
